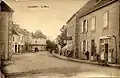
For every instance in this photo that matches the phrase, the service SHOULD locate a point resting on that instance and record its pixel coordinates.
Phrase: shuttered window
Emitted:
(82, 46)
(105, 19)
(93, 23)
(84, 27)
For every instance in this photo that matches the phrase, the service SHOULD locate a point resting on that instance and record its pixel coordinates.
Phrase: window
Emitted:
(93, 48)
(85, 44)
(84, 26)
(105, 19)
(93, 23)
(13, 38)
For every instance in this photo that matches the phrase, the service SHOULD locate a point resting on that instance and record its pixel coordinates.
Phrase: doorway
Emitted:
(93, 48)
(18, 48)
(106, 52)
(15, 48)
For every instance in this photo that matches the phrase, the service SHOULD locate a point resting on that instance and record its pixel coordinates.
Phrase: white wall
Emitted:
(39, 41)
(21, 40)
(15, 42)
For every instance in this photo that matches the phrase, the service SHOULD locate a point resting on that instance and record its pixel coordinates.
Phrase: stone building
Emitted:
(18, 39)
(15, 41)
(5, 31)
(99, 30)
(39, 43)
(21, 39)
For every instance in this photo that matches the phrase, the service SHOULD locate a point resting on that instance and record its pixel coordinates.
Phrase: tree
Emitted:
(62, 36)
(51, 45)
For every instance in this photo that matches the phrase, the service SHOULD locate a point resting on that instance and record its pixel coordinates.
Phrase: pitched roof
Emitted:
(5, 7)
(70, 18)
(14, 32)
(92, 6)
(20, 30)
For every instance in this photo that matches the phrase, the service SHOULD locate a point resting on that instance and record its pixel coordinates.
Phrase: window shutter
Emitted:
(93, 22)
(86, 46)
(86, 26)
(82, 26)
(82, 46)
(105, 19)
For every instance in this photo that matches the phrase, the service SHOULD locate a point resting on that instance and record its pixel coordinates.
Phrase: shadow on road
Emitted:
(66, 71)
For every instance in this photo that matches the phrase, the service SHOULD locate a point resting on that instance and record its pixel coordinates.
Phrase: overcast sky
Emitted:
(48, 20)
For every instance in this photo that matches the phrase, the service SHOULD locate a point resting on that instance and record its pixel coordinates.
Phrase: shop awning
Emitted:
(105, 37)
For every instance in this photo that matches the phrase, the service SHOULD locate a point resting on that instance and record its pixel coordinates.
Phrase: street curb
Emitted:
(65, 58)
(77, 60)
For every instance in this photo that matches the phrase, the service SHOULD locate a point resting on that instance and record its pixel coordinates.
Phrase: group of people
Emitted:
(101, 62)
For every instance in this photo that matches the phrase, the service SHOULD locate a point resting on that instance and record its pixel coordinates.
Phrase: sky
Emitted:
(49, 20)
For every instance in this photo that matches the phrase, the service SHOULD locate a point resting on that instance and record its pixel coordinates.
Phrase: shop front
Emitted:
(107, 49)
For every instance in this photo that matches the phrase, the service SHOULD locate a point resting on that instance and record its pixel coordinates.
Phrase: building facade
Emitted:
(19, 39)
(39, 43)
(5, 31)
(15, 41)
(99, 30)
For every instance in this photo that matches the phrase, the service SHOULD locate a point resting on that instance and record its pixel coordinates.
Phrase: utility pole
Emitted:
(77, 52)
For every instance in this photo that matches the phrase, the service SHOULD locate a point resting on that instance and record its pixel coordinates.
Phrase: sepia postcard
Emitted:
(60, 38)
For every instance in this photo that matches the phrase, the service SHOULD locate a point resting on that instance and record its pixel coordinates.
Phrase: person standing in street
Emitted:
(87, 55)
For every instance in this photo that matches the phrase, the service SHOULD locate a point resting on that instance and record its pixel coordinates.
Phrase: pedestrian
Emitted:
(106, 59)
(51, 51)
(97, 56)
(87, 55)
(36, 49)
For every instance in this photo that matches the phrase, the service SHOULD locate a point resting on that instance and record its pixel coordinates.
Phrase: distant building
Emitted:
(39, 43)
(15, 41)
(5, 31)
(22, 39)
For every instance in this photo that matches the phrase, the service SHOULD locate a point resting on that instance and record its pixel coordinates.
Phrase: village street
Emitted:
(45, 65)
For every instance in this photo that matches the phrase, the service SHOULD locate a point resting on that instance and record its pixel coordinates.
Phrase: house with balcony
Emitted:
(99, 22)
